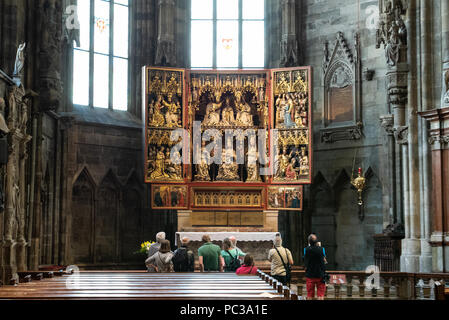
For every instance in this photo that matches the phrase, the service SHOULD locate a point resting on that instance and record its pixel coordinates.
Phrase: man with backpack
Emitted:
(231, 256)
(281, 261)
(183, 258)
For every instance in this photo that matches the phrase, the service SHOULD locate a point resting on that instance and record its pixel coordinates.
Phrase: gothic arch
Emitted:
(82, 217)
(323, 217)
(107, 219)
(350, 244)
(86, 173)
(373, 210)
(47, 219)
(131, 226)
(342, 182)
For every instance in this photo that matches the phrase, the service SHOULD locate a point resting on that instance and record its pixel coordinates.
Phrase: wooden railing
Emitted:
(392, 285)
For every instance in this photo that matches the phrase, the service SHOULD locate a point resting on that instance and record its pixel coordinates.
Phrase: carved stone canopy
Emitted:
(342, 92)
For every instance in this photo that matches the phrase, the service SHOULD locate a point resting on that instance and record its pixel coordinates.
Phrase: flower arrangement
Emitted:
(145, 247)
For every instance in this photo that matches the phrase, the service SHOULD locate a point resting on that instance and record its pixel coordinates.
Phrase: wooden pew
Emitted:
(142, 285)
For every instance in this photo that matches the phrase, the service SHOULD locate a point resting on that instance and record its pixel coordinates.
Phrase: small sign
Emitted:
(338, 279)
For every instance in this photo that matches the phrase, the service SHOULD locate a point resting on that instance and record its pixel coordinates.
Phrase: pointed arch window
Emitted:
(227, 34)
(100, 63)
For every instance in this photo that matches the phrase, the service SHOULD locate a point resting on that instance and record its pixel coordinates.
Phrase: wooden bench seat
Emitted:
(142, 285)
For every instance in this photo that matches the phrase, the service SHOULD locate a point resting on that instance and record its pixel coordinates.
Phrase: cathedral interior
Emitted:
(92, 91)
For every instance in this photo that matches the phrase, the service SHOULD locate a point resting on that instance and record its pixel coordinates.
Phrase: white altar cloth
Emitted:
(220, 236)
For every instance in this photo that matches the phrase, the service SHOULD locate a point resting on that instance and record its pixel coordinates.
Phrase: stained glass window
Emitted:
(100, 63)
(227, 34)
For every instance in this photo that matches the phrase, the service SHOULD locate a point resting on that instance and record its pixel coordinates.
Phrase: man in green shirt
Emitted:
(209, 256)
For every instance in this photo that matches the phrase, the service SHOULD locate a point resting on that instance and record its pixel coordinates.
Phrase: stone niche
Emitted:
(342, 118)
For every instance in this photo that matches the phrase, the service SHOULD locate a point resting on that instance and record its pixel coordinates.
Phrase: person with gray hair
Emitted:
(234, 247)
(281, 261)
(160, 236)
(183, 258)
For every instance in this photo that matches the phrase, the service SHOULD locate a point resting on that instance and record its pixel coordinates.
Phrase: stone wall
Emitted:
(333, 202)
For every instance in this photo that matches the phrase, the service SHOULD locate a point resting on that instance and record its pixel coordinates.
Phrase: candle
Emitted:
(360, 171)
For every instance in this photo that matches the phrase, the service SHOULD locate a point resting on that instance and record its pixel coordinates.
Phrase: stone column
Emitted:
(12, 186)
(412, 245)
(166, 46)
(389, 191)
(37, 205)
(50, 32)
(400, 42)
(21, 237)
(445, 50)
(426, 20)
(289, 42)
(9, 267)
(439, 141)
(68, 132)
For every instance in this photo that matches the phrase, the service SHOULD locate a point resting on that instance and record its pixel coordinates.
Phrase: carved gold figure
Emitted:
(304, 163)
(158, 118)
(253, 168)
(202, 170)
(228, 171)
(228, 115)
(290, 172)
(212, 117)
(283, 162)
(159, 167)
(172, 114)
(244, 117)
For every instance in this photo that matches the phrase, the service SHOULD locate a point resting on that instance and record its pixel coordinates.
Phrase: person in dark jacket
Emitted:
(183, 258)
(315, 269)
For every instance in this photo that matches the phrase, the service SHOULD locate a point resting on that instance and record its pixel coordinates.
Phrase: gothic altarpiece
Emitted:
(234, 111)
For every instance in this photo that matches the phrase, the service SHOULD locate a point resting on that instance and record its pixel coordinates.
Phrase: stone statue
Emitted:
(3, 125)
(402, 31)
(392, 48)
(20, 61)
